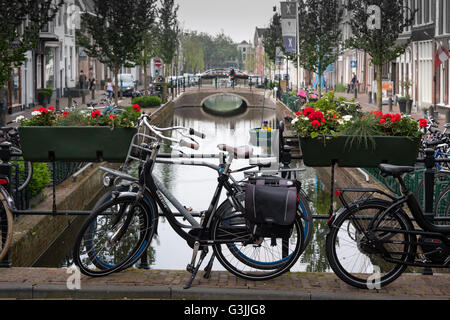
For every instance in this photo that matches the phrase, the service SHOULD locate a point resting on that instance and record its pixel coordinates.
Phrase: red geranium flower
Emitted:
(112, 116)
(307, 111)
(315, 123)
(382, 121)
(51, 109)
(43, 110)
(96, 114)
(423, 123)
(137, 107)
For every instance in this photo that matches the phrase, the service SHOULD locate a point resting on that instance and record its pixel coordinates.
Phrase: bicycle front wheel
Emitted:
(253, 258)
(359, 254)
(114, 236)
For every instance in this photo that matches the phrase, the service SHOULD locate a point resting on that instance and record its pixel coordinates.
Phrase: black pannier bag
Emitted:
(271, 207)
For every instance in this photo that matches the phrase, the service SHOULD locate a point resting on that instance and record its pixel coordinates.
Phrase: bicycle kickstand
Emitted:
(190, 266)
(208, 268)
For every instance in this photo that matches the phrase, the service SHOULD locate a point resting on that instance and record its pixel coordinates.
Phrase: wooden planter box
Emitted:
(83, 144)
(392, 150)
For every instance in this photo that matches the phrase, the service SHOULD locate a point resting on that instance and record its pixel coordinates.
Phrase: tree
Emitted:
(379, 40)
(193, 54)
(18, 37)
(114, 32)
(147, 49)
(320, 34)
(168, 36)
(273, 37)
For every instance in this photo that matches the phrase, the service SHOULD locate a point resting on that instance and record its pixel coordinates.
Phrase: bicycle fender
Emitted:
(146, 199)
(6, 197)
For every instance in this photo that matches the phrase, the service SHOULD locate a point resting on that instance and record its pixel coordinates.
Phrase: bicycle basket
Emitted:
(271, 209)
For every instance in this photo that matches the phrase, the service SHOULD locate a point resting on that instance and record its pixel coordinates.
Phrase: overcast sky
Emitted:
(237, 18)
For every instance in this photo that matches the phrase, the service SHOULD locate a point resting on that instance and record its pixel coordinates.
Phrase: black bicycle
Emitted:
(119, 231)
(371, 241)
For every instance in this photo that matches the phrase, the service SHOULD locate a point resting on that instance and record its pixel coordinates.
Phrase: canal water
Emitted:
(194, 187)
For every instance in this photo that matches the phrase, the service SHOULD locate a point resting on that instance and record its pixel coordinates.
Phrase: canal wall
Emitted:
(33, 234)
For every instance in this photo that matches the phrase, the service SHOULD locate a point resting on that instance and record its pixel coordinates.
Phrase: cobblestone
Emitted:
(224, 284)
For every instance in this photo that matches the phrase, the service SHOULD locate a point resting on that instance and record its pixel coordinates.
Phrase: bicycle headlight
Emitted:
(107, 181)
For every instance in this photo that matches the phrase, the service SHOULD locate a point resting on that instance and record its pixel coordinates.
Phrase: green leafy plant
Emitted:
(147, 102)
(40, 179)
(330, 117)
(125, 118)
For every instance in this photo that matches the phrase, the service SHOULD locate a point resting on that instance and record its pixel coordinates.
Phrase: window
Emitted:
(426, 11)
(441, 17)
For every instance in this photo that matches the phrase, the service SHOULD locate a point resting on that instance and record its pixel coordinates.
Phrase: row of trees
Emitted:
(376, 31)
(130, 32)
(203, 51)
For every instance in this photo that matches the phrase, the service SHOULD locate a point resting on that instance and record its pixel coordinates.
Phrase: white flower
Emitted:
(347, 118)
(36, 113)
(340, 121)
(20, 118)
(305, 118)
(294, 121)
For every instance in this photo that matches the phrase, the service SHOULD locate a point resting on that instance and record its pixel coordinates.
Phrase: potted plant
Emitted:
(331, 132)
(44, 96)
(85, 136)
(402, 104)
(406, 85)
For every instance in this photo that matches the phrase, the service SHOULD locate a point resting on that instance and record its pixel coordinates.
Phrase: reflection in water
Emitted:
(224, 104)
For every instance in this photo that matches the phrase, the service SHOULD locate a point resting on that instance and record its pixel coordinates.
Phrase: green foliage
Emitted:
(147, 102)
(217, 51)
(113, 33)
(14, 45)
(46, 93)
(40, 179)
(168, 30)
(340, 87)
(127, 117)
(321, 34)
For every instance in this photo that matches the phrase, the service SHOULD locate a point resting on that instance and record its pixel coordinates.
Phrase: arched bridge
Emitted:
(254, 98)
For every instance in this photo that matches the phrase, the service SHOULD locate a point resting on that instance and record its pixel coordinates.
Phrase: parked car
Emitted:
(127, 84)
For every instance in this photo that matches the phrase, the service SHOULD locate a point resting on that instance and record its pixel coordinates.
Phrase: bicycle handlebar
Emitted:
(193, 132)
(189, 144)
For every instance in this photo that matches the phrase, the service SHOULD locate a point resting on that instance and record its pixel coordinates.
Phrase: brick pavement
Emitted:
(221, 285)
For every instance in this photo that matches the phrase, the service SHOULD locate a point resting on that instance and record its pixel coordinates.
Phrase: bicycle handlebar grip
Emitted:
(197, 133)
(189, 144)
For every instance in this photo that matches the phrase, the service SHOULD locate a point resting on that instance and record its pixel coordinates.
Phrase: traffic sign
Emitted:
(158, 62)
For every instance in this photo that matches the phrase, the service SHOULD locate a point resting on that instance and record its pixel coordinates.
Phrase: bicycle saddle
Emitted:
(244, 152)
(392, 170)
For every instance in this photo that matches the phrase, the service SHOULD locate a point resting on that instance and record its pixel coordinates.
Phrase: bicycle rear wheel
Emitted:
(114, 236)
(253, 258)
(357, 253)
(6, 229)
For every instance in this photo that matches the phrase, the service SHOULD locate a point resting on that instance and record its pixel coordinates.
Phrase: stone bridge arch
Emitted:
(194, 97)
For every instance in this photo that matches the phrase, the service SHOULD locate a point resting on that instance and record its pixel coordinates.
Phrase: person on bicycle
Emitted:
(109, 88)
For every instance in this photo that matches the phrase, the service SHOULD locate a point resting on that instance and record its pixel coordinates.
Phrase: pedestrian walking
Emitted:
(4, 99)
(354, 81)
(109, 88)
(92, 83)
(82, 79)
